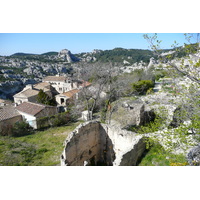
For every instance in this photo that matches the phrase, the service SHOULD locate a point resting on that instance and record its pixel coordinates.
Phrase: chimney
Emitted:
(29, 86)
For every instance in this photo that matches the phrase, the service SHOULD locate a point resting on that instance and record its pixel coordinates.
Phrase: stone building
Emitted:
(30, 92)
(4, 102)
(64, 84)
(61, 83)
(27, 94)
(66, 97)
(8, 117)
(33, 111)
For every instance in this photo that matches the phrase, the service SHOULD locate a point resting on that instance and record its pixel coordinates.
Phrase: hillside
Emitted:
(23, 54)
(51, 53)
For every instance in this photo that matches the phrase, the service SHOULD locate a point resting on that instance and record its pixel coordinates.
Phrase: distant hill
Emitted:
(23, 54)
(120, 54)
(51, 53)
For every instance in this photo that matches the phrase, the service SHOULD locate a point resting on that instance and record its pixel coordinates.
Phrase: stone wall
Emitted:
(88, 144)
(93, 143)
(7, 125)
(48, 111)
(128, 146)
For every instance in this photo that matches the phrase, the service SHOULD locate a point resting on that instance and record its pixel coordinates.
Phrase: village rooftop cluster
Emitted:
(26, 107)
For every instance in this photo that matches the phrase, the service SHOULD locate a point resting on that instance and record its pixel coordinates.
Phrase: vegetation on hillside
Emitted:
(43, 148)
(120, 54)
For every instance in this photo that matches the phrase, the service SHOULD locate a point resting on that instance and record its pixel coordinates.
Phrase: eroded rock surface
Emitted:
(93, 143)
(194, 156)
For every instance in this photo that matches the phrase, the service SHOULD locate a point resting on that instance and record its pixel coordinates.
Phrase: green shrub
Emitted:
(43, 98)
(103, 115)
(150, 91)
(22, 128)
(142, 86)
(53, 120)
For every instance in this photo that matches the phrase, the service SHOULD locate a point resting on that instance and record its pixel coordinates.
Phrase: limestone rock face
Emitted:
(129, 113)
(9, 88)
(194, 156)
(66, 55)
(36, 71)
(151, 63)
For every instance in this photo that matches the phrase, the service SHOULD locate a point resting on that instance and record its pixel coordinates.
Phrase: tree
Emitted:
(22, 128)
(184, 63)
(101, 75)
(187, 65)
(44, 98)
(141, 87)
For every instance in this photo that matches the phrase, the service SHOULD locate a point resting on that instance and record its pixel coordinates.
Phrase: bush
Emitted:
(43, 98)
(22, 128)
(150, 91)
(103, 115)
(141, 87)
(53, 120)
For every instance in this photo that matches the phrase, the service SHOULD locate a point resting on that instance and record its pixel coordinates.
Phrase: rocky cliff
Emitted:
(10, 88)
(66, 55)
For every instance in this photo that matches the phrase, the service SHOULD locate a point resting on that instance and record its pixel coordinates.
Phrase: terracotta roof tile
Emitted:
(55, 78)
(31, 108)
(27, 93)
(70, 93)
(85, 84)
(7, 112)
(5, 101)
(42, 85)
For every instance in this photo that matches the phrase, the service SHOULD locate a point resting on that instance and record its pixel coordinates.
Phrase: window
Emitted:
(62, 101)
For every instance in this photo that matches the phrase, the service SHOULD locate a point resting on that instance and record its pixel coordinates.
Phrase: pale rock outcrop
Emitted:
(9, 88)
(152, 62)
(193, 156)
(66, 55)
(132, 113)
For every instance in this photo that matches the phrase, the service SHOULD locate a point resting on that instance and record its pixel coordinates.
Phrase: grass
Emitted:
(157, 156)
(43, 148)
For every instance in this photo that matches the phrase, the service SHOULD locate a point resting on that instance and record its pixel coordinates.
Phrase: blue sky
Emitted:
(38, 43)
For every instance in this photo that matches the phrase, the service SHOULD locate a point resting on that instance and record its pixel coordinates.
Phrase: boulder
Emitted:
(193, 156)
(129, 113)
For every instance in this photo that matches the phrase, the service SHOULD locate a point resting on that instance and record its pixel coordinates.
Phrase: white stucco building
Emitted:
(61, 83)
(32, 111)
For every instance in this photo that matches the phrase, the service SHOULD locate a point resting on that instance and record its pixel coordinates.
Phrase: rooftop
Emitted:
(42, 85)
(27, 93)
(7, 112)
(70, 93)
(5, 101)
(55, 78)
(31, 108)
(85, 84)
